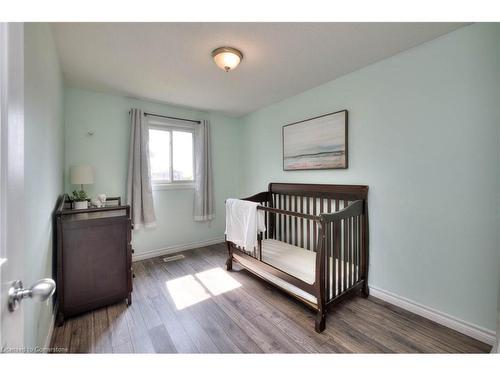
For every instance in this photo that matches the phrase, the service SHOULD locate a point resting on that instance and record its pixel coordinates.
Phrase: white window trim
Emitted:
(160, 124)
(185, 185)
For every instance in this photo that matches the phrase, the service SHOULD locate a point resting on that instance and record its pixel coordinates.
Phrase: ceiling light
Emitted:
(227, 58)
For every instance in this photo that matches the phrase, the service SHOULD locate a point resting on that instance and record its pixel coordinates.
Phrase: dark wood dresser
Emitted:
(93, 257)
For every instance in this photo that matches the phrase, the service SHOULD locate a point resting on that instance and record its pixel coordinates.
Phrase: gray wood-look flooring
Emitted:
(195, 306)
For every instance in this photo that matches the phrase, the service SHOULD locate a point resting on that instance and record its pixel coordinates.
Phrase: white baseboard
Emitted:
(479, 333)
(175, 249)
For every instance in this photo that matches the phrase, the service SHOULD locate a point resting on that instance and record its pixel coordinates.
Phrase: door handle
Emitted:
(42, 290)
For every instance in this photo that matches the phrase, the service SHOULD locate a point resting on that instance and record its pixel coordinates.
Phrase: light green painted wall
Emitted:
(423, 134)
(44, 152)
(498, 202)
(107, 152)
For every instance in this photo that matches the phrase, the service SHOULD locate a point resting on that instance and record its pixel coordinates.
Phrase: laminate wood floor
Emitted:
(195, 306)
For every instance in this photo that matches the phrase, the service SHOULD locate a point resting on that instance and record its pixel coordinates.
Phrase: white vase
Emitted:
(80, 205)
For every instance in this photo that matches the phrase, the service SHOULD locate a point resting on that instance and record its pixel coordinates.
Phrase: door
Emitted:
(12, 178)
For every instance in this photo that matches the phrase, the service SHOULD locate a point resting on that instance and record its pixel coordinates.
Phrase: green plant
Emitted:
(79, 196)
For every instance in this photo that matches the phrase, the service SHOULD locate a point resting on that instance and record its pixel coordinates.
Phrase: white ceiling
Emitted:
(171, 62)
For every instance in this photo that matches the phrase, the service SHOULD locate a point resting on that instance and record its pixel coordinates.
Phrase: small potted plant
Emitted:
(80, 200)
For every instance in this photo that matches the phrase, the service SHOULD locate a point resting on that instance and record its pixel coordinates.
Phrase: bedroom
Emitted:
(373, 148)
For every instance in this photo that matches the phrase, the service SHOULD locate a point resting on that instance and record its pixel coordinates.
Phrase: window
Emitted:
(171, 154)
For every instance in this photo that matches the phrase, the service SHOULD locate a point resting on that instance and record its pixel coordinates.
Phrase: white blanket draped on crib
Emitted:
(243, 222)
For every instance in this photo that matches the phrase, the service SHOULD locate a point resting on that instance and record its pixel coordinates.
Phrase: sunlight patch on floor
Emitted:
(217, 281)
(186, 291)
(192, 289)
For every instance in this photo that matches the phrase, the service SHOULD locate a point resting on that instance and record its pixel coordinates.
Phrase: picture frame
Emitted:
(316, 143)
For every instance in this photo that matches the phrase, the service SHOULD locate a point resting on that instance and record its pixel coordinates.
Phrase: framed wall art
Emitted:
(316, 143)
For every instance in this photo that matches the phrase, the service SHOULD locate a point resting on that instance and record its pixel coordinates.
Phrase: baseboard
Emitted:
(479, 333)
(175, 249)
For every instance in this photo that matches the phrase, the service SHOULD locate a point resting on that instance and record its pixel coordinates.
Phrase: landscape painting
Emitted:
(317, 143)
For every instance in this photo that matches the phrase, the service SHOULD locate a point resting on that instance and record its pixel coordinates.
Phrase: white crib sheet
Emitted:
(295, 261)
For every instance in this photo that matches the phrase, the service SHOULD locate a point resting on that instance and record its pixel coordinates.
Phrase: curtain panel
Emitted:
(204, 192)
(139, 191)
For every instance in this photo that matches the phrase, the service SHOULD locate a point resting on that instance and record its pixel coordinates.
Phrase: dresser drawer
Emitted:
(94, 265)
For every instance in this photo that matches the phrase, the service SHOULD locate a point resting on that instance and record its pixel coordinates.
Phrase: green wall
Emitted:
(423, 134)
(498, 202)
(107, 152)
(44, 152)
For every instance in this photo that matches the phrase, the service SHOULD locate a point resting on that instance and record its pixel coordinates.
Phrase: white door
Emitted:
(12, 178)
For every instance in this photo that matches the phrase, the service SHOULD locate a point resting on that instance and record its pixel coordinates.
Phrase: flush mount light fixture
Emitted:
(227, 58)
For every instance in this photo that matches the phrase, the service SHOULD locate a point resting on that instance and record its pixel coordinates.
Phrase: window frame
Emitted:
(171, 126)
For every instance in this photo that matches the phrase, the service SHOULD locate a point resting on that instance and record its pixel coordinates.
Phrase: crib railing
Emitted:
(341, 257)
(332, 221)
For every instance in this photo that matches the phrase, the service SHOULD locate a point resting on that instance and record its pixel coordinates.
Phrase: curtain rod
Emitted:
(173, 118)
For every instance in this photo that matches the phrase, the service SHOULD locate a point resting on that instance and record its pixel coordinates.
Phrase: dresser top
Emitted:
(75, 215)
(112, 209)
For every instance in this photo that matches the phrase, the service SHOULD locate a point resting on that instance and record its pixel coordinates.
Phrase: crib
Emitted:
(316, 244)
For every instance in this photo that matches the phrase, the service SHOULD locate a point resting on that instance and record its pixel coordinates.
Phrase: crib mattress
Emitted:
(296, 261)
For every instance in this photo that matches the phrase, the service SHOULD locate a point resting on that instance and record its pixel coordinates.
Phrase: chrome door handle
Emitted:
(42, 290)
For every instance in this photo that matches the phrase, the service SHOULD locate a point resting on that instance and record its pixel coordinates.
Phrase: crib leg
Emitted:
(365, 291)
(229, 261)
(320, 321)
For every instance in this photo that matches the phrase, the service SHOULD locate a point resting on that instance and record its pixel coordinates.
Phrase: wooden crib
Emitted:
(316, 244)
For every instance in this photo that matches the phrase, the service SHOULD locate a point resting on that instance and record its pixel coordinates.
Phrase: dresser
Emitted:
(93, 257)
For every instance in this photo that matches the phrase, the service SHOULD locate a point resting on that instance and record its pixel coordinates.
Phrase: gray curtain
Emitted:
(204, 192)
(139, 192)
